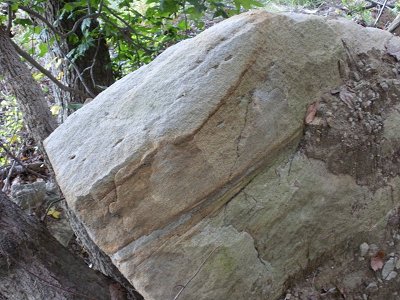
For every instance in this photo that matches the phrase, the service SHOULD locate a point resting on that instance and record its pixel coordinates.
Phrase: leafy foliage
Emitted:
(135, 31)
(10, 125)
(357, 11)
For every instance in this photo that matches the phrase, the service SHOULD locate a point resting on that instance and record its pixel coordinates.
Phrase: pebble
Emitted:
(288, 296)
(388, 268)
(384, 86)
(391, 275)
(364, 247)
(373, 286)
(398, 264)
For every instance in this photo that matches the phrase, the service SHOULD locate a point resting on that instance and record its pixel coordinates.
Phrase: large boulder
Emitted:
(197, 175)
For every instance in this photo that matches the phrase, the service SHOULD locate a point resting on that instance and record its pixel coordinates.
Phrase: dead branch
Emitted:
(33, 62)
(395, 24)
(18, 169)
(12, 156)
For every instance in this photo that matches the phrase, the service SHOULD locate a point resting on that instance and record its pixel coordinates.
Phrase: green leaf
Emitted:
(169, 6)
(23, 22)
(37, 76)
(246, 4)
(74, 105)
(43, 49)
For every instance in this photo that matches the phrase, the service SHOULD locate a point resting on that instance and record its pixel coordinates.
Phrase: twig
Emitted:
(89, 6)
(8, 152)
(194, 275)
(9, 19)
(128, 26)
(7, 180)
(50, 206)
(378, 3)
(380, 12)
(62, 35)
(46, 72)
(52, 28)
(20, 169)
(94, 62)
(395, 24)
(75, 27)
(90, 68)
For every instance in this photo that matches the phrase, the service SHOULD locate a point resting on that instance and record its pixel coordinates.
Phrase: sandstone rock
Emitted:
(189, 174)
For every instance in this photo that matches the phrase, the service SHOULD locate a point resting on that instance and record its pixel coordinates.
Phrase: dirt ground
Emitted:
(348, 273)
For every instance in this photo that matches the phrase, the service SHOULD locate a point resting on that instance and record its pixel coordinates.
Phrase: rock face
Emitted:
(197, 175)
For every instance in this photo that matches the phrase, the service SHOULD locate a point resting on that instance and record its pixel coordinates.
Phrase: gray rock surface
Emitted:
(196, 175)
(29, 196)
(39, 195)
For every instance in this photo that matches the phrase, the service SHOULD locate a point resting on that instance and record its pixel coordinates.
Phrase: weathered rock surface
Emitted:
(196, 175)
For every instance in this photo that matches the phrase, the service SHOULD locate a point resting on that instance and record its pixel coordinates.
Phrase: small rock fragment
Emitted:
(384, 86)
(388, 268)
(364, 247)
(373, 286)
(365, 297)
(398, 264)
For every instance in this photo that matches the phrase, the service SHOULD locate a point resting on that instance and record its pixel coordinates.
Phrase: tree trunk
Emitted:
(30, 97)
(33, 265)
(90, 73)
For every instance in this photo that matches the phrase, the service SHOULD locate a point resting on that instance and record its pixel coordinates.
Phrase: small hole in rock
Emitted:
(117, 142)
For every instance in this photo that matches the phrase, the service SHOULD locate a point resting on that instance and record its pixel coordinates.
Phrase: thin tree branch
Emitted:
(9, 19)
(40, 17)
(380, 12)
(128, 26)
(51, 204)
(45, 72)
(90, 68)
(77, 23)
(395, 24)
(8, 152)
(8, 178)
(88, 6)
(93, 63)
(91, 94)
(63, 35)
(21, 169)
(378, 3)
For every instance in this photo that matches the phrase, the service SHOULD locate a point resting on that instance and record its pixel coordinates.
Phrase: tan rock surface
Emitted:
(186, 171)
